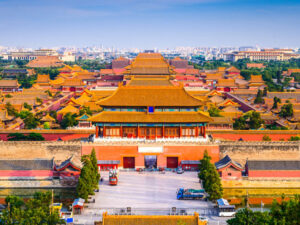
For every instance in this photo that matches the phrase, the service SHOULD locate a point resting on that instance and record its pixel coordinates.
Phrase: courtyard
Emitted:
(151, 190)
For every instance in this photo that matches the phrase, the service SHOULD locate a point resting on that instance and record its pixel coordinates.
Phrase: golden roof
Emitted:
(43, 78)
(9, 83)
(68, 109)
(57, 81)
(149, 64)
(231, 108)
(151, 220)
(228, 102)
(150, 96)
(73, 82)
(226, 83)
(214, 76)
(164, 81)
(221, 69)
(221, 120)
(92, 106)
(66, 68)
(81, 100)
(4, 115)
(48, 118)
(256, 79)
(213, 93)
(45, 61)
(156, 117)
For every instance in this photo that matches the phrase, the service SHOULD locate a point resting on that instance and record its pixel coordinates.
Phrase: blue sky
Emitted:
(149, 23)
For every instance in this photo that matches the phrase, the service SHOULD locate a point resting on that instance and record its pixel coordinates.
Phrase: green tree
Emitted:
(81, 189)
(210, 178)
(35, 137)
(69, 121)
(30, 121)
(214, 112)
(275, 102)
(16, 137)
(294, 138)
(286, 110)
(250, 120)
(266, 138)
(265, 92)
(93, 160)
(259, 98)
(46, 125)
(86, 110)
(248, 217)
(10, 109)
(27, 106)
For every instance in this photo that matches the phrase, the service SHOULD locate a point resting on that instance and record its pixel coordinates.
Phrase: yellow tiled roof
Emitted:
(68, 109)
(150, 96)
(226, 83)
(151, 220)
(48, 118)
(156, 117)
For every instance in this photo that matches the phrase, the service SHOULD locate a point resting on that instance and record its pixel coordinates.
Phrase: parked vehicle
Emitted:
(225, 209)
(179, 170)
(183, 194)
(113, 177)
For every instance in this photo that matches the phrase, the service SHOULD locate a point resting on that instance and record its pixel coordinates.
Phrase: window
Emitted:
(112, 131)
(229, 174)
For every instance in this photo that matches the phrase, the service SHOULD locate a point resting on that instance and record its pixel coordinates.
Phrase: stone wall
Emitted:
(241, 151)
(47, 150)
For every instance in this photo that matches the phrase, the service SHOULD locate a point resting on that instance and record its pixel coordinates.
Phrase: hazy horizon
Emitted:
(150, 24)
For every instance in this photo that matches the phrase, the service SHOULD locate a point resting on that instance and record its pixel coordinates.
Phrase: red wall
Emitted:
(53, 136)
(274, 173)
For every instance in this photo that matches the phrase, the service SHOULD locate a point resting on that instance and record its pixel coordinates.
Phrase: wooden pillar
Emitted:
(97, 131)
(121, 131)
(204, 133)
(104, 133)
(196, 131)
(201, 130)
(138, 131)
(163, 131)
(180, 131)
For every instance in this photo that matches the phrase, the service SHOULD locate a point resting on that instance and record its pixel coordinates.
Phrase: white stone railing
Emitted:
(157, 140)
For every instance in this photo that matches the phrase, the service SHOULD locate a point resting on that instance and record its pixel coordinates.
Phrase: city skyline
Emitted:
(148, 25)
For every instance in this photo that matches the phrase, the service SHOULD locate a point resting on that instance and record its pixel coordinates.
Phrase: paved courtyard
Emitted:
(148, 193)
(148, 190)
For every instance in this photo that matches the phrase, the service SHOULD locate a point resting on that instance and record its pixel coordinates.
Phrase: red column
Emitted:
(201, 130)
(104, 131)
(97, 131)
(138, 131)
(180, 133)
(197, 131)
(204, 133)
(121, 131)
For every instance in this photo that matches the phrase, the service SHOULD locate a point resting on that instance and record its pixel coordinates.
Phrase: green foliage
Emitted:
(266, 138)
(35, 137)
(259, 99)
(24, 114)
(26, 81)
(30, 121)
(294, 138)
(8, 96)
(248, 217)
(46, 125)
(88, 64)
(53, 72)
(69, 121)
(296, 76)
(250, 120)
(275, 102)
(53, 114)
(86, 110)
(210, 178)
(265, 92)
(21, 137)
(89, 176)
(35, 211)
(27, 106)
(284, 213)
(214, 112)
(38, 100)
(10, 109)
(286, 110)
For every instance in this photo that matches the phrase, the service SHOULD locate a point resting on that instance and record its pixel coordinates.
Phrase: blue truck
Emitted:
(183, 194)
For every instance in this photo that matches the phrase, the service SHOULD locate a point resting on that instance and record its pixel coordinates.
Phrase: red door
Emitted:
(128, 162)
(172, 162)
(72, 89)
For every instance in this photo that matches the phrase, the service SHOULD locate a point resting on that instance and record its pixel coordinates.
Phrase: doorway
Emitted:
(150, 161)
